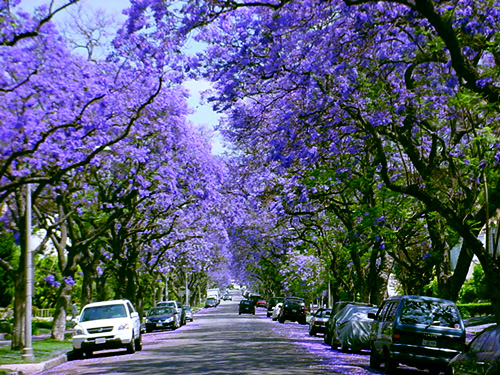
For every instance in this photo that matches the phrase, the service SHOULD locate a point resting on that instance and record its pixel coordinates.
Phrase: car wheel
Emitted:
(281, 320)
(131, 346)
(89, 353)
(390, 364)
(149, 330)
(374, 360)
(302, 321)
(325, 337)
(138, 343)
(77, 353)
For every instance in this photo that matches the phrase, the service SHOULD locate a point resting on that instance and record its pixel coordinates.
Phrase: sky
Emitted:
(203, 116)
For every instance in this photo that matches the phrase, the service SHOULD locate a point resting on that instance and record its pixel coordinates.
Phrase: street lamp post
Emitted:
(28, 350)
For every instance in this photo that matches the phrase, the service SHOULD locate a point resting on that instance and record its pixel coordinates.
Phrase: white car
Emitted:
(276, 311)
(107, 325)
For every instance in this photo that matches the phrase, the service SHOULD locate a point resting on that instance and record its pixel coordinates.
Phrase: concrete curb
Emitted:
(34, 368)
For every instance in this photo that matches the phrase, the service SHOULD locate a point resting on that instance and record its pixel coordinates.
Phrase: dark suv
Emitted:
(422, 332)
(294, 309)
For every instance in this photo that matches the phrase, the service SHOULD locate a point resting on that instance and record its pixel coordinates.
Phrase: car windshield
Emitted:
(434, 313)
(103, 312)
(160, 311)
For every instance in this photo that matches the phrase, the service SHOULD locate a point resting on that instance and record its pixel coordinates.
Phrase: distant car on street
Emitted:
(318, 320)
(276, 311)
(162, 317)
(227, 297)
(271, 303)
(177, 306)
(261, 302)
(246, 306)
(294, 309)
(188, 312)
(211, 302)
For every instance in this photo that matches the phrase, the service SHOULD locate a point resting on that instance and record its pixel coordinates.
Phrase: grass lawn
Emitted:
(43, 350)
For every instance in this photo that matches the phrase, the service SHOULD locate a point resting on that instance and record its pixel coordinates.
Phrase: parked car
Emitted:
(177, 306)
(188, 312)
(211, 302)
(246, 306)
(162, 317)
(352, 328)
(294, 309)
(276, 311)
(227, 297)
(254, 298)
(330, 324)
(261, 302)
(318, 320)
(107, 325)
(481, 356)
(271, 303)
(422, 332)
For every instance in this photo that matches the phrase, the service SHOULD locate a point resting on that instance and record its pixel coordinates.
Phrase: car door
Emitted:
(136, 321)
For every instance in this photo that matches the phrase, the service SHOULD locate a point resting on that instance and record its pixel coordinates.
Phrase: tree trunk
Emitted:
(18, 336)
(62, 305)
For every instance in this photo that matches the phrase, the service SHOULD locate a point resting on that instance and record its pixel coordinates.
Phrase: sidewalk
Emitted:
(32, 368)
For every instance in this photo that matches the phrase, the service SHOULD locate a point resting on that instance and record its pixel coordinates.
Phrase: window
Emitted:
(430, 313)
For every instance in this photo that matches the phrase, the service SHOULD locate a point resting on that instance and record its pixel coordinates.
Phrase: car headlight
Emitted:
(123, 326)
(168, 320)
(78, 330)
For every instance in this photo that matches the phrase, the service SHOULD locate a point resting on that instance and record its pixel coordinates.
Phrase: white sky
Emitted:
(203, 116)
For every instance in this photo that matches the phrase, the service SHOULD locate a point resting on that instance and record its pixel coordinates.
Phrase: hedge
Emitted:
(471, 310)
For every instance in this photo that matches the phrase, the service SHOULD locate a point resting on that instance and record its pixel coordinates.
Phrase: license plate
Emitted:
(159, 324)
(429, 342)
(100, 340)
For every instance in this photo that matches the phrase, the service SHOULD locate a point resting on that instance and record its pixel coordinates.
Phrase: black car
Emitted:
(271, 303)
(481, 356)
(162, 317)
(418, 331)
(246, 306)
(294, 309)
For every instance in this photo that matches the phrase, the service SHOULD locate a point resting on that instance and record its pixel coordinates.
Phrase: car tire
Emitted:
(131, 346)
(138, 343)
(89, 353)
(374, 360)
(281, 320)
(302, 321)
(390, 365)
(77, 353)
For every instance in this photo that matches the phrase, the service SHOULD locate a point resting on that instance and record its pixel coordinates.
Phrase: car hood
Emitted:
(103, 322)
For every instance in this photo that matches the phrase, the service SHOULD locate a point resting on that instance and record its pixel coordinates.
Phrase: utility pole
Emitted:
(28, 350)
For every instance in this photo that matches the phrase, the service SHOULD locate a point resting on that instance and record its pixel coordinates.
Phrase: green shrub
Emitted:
(471, 310)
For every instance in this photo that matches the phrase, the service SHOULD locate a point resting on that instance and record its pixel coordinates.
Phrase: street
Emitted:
(220, 341)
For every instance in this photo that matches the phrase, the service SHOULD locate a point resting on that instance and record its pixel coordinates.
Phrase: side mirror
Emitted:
(135, 314)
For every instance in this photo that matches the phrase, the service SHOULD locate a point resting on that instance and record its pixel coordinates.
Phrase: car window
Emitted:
(130, 308)
(436, 313)
(103, 312)
(160, 311)
(391, 311)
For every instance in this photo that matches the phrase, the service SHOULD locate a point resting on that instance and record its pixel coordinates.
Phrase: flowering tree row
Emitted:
(382, 103)
(122, 184)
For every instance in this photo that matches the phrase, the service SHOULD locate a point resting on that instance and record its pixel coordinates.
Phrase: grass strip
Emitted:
(43, 350)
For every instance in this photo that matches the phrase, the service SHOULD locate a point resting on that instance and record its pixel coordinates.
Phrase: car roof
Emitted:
(423, 298)
(107, 303)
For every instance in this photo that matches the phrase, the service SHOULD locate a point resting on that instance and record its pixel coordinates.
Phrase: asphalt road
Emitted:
(219, 341)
